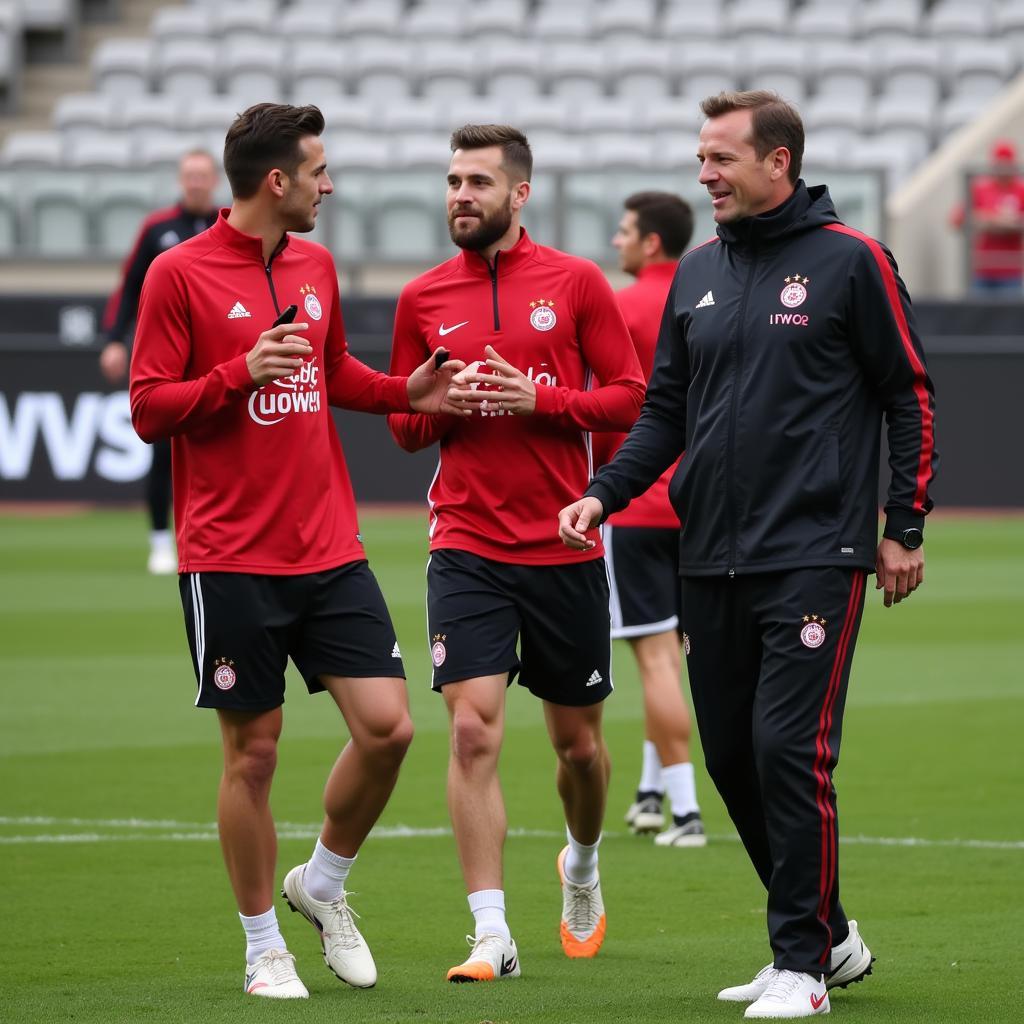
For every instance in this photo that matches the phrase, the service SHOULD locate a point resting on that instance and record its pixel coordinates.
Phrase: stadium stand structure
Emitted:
(607, 90)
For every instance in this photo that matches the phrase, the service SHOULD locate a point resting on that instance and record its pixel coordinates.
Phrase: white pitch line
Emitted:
(143, 830)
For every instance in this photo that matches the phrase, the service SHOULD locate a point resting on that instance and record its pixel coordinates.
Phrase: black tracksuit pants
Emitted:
(768, 656)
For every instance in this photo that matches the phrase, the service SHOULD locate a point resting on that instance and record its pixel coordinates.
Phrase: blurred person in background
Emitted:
(194, 212)
(786, 340)
(996, 224)
(271, 557)
(642, 541)
(534, 327)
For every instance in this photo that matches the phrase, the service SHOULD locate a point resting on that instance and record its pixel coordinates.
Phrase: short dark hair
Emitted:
(264, 137)
(516, 156)
(666, 215)
(775, 122)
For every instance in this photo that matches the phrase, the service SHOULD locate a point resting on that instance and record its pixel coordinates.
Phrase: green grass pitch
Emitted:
(116, 906)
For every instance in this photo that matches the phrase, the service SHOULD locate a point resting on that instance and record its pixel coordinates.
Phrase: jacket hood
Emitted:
(805, 210)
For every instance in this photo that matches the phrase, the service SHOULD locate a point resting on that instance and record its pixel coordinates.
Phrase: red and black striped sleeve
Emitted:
(886, 339)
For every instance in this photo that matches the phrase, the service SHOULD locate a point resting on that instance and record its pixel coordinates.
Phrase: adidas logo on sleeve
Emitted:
(708, 300)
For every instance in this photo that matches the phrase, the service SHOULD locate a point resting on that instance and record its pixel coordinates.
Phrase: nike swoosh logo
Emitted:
(442, 330)
(839, 966)
(817, 1002)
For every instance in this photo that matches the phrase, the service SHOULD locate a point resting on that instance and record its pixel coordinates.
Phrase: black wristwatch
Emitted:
(911, 538)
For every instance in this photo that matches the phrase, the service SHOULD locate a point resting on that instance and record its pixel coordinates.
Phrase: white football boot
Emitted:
(492, 958)
(791, 994)
(273, 976)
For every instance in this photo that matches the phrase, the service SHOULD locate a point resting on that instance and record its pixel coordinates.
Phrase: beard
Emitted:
(487, 229)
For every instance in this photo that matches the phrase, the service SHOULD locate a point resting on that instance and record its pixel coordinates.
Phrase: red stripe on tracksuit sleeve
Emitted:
(829, 837)
(920, 391)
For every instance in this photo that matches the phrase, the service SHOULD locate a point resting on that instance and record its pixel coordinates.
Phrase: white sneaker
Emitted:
(492, 958)
(645, 814)
(851, 960)
(752, 990)
(791, 994)
(686, 831)
(273, 976)
(163, 561)
(345, 950)
(583, 918)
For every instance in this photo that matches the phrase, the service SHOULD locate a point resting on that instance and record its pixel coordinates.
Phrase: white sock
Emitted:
(581, 861)
(160, 539)
(261, 933)
(326, 872)
(488, 909)
(679, 784)
(650, 774)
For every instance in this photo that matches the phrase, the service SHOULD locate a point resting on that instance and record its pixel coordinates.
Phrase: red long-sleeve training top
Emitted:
(502, 479)
(260, 482)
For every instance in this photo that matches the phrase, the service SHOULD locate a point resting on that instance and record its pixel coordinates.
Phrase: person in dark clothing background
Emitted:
(194, 212)
(784, 342)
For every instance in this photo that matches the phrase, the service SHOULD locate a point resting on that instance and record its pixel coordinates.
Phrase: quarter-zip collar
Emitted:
(806, 208)
(508, 259)
(250, 246)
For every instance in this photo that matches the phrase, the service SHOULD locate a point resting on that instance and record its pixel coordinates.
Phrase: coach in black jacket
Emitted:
(784, 342)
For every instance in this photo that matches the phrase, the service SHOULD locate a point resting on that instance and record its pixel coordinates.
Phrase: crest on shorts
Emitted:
(438, 651)
(813, 633)
(224, 676)
(686, 644)
(542, 316)
(795, 292)
(311, 302)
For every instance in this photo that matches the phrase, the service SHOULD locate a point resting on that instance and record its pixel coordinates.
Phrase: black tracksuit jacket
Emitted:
(783, 343)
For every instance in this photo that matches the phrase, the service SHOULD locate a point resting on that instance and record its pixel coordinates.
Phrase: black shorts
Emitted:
(478, 608)
(242, 629)
(643, 573)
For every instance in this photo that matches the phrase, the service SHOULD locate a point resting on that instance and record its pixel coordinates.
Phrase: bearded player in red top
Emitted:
(534, 327)
(271, 562)
(642, 541)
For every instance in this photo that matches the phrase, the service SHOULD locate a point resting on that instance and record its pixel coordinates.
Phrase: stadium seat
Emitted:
(247, 23)
(560, 22)
(1008, 25)
(344, 113)
(182, 25)
(409, 211)
(122, 67)
(910, 66)
(822, 153)
(959, 19)
(564, 154)
(640, 69)
(473, 110)
(83, 113)
(615, 115)
(188, 68)
(621, 21)
(424, 151)
(160, 152)
(704, 68)
(119, 203)
(432, 22)
(353, 150)
(688, 21)
(211, 117)
(838, 115)
(305, 23)
(100, 152)
(448, 70)
(494, 22)
(620, 150)
(778, 64)
(381, 70)
(10, 217)
(414, 115)
(317, 69)
(32, 150)
(544, 119)
(880, 20)
(907, 115)
(844, 68)
(58, 214)
(54, 26)
(510, 70)
(979, 67)
(370, 21)
(893, 156)
(958, 111)
(748, 21)
(253, 69)
(672, 115)
(823, 22)
(574, 71)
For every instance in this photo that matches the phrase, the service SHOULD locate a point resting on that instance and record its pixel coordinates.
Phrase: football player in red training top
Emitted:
(271, 563)
(642, 541)
(534, 327)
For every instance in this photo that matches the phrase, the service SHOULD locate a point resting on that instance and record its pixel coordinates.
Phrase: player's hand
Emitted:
(899, 572)
(574, 520)
(428, 386)
(505, 389)
(278, 353)
(114, 361)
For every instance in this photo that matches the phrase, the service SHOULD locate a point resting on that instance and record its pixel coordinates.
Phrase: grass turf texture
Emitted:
(129, 917)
